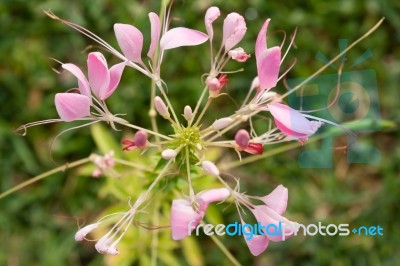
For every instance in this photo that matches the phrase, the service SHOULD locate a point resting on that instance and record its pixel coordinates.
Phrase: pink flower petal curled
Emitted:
(183, 216)
(130, 40)
(268, 64)
(98, 74)
(184, 219)
(268, 217)
(261, 42)
(214, 195)
(233, 31)
(83, 83)
(277, 199)
(268, 60)
(257, 244)
(291, 122)
(115, 77)
(211, 15)
(72, 106)
(180, 36)
(155, 33)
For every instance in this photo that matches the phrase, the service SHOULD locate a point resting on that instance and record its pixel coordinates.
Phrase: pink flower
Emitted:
(268, 60)
(102, 81)
(103, 163)
(269, 215)
(292, 123)
(184, 218)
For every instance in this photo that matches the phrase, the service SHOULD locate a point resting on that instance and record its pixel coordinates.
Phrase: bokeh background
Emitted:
(37, 224)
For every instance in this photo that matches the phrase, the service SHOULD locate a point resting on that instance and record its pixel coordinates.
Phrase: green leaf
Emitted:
(104, 140)
(192, 252)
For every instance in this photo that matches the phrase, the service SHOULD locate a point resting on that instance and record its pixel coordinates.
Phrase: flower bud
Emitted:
(140, 139)
(81, 234)
(222, 123)
(161, 107)
(242, 138)
(188, 113)
(213, 84)
(168, 154)
(210, 168)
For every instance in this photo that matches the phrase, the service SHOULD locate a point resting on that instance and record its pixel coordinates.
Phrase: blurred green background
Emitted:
(37, 224)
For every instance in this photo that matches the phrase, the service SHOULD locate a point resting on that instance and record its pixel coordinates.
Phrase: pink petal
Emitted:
(257, 244)
(115, 77)
(267, 216)
(291, 122)
(254, 148)
(130, 40)
(182, 217)
(98, 74)
(261, 42)
(83, 83)
(211, 15)
(268, 64)
(277, 199)
(214, 195)
(72, 106)
(234, 30)
(180, 36)
(155, 33)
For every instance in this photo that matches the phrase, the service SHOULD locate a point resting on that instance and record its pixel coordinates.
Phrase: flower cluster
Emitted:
(186, 148)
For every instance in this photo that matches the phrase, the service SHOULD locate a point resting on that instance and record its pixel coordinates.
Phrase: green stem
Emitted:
(41, 176)
(224, 250)
(134, 165)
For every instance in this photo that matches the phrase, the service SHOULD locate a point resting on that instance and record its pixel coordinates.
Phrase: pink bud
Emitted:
(213, 84)
(242, 138)
(188, 113)
(210, 168)
(222, 123)
(234, 30)
(168, 154)
(140, 139)
(239, 55)
(161, 107)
